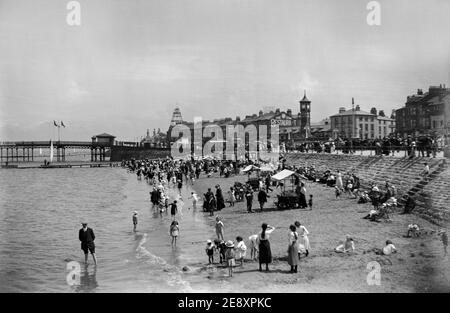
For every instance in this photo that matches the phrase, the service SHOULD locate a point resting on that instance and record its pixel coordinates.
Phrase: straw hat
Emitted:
(229, 244)
(208, 241)
(135, 213)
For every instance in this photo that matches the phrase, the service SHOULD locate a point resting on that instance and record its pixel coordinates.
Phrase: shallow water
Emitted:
(40, 215)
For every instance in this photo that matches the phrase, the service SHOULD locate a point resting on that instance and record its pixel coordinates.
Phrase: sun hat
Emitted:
(208, 241)
(229, 244)
(135, 212)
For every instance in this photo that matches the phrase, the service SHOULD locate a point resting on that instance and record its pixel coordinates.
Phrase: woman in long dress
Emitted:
(265, 253)
(303, 238)
(220, 201)
(302, 195)
(293, 249)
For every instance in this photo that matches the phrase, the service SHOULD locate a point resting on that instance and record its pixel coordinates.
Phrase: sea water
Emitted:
(41, 211)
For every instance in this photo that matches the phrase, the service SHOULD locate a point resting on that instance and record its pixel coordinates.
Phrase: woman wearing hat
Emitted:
(265, 253)
(230, 255)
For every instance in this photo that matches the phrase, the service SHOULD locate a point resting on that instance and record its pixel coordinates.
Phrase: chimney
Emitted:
(419, 92)
(341, 110)
(277, 110)
(260, 112)
(358, 108)
(238, 119)
(289, 112)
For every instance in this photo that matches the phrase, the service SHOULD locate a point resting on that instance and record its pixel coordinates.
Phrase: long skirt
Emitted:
(304, 240)
(293, 255)
(265, 254)
(302, 201)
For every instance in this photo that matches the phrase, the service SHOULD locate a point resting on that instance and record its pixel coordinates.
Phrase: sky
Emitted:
(131, 62)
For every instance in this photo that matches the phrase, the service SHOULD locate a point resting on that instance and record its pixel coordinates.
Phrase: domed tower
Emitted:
(305, 115)
(176, 117)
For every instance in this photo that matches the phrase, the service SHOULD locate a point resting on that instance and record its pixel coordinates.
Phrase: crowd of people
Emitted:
(168, 173)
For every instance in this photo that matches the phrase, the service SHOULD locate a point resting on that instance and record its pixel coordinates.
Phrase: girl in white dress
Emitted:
(303, 238)
(241, 250)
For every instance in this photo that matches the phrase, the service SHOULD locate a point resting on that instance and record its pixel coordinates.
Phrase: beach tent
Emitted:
(250, 168)
(284, 174)
(267, 168)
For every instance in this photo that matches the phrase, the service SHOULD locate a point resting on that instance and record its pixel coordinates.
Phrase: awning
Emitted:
(267, 168)
(283, 175)
(250, 168)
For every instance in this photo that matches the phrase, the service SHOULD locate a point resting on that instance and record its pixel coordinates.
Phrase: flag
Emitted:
(54, 122)
(62, 124)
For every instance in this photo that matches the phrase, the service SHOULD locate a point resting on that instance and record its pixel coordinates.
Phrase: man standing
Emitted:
(87, 237)
(262, 198)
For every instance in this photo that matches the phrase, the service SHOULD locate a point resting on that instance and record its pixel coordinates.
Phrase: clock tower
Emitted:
(305, 118)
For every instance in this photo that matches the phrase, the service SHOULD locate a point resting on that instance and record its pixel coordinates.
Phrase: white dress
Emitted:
(241, 250)
(303, 239)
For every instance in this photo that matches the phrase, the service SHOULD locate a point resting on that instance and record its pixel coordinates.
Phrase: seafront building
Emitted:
(293, 128)
(425, 113)
(358, 124)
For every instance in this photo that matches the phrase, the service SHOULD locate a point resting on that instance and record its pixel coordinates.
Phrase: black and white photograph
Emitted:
(233, 147)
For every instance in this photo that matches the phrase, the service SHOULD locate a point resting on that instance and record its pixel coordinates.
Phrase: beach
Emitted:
(419, 265)
(41, 212)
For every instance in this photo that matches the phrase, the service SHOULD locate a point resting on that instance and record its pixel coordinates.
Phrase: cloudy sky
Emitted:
(130, 62)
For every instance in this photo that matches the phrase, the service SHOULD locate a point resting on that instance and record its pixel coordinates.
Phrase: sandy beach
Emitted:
(419, 265)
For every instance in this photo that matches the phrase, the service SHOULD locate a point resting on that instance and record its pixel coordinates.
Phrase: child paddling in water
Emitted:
(135, 220)
(230, 255)
(174, 231)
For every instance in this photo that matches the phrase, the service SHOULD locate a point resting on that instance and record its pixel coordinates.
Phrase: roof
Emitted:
(353, 112)
(105, 135)
(283, 175)
(305, 99)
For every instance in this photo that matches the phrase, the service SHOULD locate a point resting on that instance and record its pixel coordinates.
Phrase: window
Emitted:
(371, 127)
(366, 127)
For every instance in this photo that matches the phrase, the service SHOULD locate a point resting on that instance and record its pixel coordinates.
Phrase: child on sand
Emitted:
(389, 248)
(337, 192)
(210, 251)
(230, 255)
(347, 246)
(241, 250)
(219, 228)
(174, 231)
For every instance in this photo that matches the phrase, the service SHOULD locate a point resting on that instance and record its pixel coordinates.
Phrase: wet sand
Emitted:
(419, 265)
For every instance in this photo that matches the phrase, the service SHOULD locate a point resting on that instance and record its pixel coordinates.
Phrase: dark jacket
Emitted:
(86, 236)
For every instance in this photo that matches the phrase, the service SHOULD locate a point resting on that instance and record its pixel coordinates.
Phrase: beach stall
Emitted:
(288, 198)
(253, 181)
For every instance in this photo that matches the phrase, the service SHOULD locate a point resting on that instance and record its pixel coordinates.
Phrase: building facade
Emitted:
(425, 113)
(293, 128)
(358, 124)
